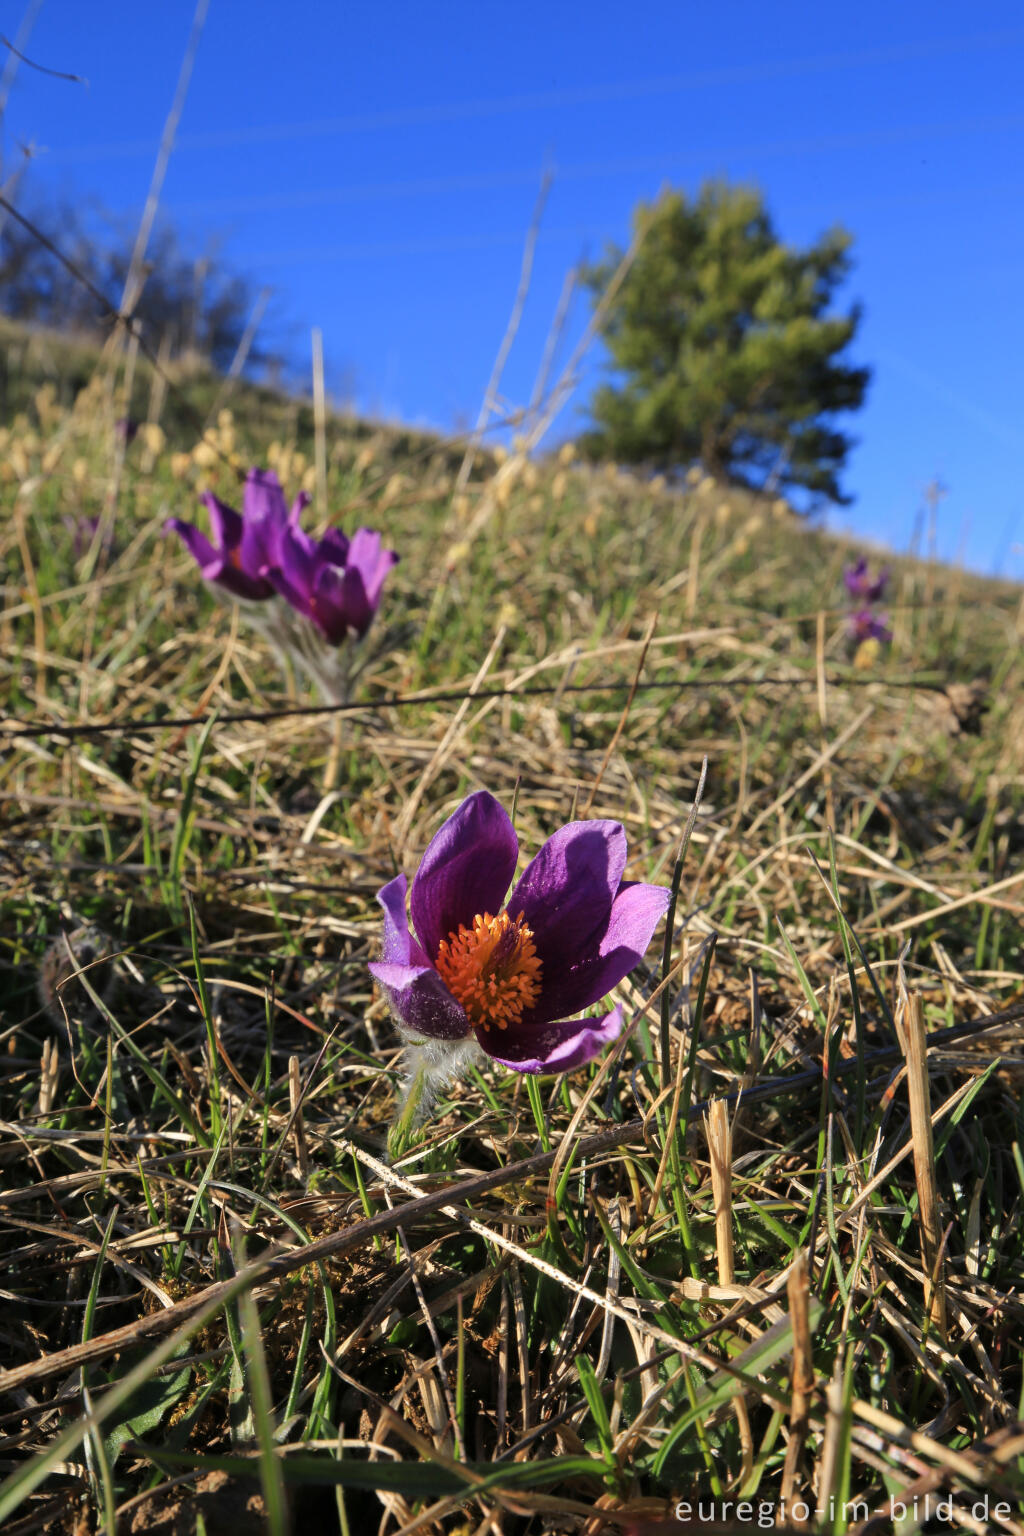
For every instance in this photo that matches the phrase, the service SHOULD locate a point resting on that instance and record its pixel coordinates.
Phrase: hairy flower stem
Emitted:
(329, 668)
(430, 1067)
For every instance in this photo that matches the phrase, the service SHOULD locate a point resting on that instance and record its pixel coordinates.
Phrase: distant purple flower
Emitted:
(125, 429)
(335, 582)
(311, 599)
(869, 624)
(247, 544)
(863, 586)
(513, 974)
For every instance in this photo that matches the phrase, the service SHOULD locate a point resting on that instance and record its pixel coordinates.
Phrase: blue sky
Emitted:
(377, 164)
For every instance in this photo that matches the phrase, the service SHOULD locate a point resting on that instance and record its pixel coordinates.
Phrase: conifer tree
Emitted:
(722, 347)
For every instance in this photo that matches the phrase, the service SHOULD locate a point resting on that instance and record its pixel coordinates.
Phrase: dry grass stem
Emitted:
(802, 1374)
(719, 1135)
(298, 1129)
(319, 425)
(915, 1043)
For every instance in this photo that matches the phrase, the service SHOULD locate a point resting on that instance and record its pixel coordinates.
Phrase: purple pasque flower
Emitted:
(514, 972)
(335, 582)
(246, 544)
(861, 584)
(869, 624)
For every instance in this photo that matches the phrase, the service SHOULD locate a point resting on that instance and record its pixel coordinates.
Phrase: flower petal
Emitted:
(551, 1047)
(354, 602)
(331, 608)
(334, 547)
(216, 564)
(295, 576)
(371, 561)
(636, 912)
(262, 498)
(400, 948)
(466, 870)
(565, 894)
(351, 597)
(264, 519)
(225, 521)
(299, 505)
(196, 542)
(421, 1000)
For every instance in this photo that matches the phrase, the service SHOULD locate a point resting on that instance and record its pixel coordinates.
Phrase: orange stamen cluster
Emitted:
(492, 968)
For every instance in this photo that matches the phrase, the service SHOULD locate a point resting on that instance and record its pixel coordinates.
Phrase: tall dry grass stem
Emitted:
(719, 1135)
(913, 1039)
(298, 1127)
(693, 568)
(241, 356)
(489, 402)
(819, 659)
(551, 344)
(802, 1374)
(829, 1470)
(319, 424)
(135, 278)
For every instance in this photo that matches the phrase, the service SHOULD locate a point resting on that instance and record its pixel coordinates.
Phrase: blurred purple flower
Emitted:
(125, 429)
(863, 586)
(570, 931)
(247, 544)
(869, 624)
(335, 582)
(307, 597)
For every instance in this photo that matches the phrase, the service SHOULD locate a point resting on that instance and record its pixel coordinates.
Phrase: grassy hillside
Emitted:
(559, 1310)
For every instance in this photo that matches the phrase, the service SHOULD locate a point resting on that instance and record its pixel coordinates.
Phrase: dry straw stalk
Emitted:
(915, 1046)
